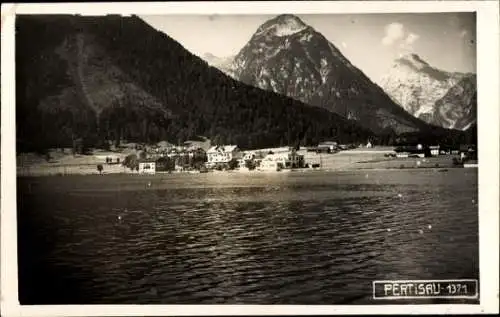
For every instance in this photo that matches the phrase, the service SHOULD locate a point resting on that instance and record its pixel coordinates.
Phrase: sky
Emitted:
(371, 42)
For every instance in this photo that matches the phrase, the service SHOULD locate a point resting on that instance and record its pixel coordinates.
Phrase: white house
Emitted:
(434, 150)
(147, 167)
(223, 154)
(278, 161)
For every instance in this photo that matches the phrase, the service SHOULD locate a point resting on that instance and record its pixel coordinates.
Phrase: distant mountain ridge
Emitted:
(289, 57)
(115, 78)
(222, 63)
(445, 99)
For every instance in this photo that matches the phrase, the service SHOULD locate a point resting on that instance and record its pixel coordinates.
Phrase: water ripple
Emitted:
(318, 238)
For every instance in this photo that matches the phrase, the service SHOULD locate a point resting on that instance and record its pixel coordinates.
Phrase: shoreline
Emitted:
(236, 172)
(350, 160)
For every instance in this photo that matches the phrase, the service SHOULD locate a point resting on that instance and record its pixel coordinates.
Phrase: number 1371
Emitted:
(456, 289)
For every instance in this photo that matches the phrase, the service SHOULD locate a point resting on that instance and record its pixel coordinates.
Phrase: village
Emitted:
(204, 157)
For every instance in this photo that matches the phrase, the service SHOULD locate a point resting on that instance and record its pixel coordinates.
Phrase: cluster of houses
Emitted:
(222, 157)
(181, 158)
(202, 156)
(420, 150)
(274, 159)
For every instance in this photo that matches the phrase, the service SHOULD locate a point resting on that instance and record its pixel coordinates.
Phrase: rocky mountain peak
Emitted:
(282, 25)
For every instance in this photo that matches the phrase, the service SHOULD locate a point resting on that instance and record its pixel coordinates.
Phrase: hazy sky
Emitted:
(369, 41)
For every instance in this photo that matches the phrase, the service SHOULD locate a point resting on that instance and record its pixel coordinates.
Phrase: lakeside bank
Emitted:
(349, 160)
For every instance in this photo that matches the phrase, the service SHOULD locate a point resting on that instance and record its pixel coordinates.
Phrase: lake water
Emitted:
(283, 238)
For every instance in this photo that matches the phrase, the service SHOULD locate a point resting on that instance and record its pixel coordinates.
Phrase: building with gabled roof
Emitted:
(222, 154)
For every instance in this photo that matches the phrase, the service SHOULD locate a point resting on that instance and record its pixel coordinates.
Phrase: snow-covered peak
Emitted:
(283, 25)
(418, 87)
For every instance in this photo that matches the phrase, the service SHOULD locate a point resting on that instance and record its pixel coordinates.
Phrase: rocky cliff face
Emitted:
(288, 57)
(438, 97)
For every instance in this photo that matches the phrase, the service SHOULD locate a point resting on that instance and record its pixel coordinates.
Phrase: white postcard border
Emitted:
(488, 134)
